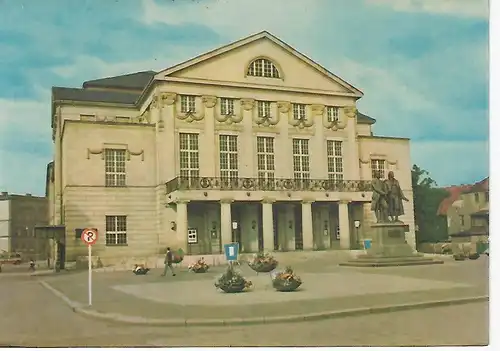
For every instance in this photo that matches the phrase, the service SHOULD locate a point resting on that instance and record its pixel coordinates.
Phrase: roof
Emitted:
(250, 39)
(480, 186)
(88, 95)
(364, 119)
(454, 192)
(132, 81)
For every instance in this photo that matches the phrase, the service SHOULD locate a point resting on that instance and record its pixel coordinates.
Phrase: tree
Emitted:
(426, 199)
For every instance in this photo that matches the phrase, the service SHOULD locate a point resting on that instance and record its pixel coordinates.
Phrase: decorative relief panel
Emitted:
(197, 115)
(127, 151)
(307, 122)
(267, 120)
(335, 125)
(229, 119)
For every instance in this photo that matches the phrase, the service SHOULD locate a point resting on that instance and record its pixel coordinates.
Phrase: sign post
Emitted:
(89, 237)
(231, 251)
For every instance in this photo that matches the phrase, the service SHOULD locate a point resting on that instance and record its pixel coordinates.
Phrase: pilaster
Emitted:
(182, 223)
(307, 225)
(226, 221)
(352, 144)
(345, 235)
(267, 224)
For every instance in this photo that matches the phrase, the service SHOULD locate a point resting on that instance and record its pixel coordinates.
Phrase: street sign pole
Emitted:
(89, 237)
(90, 275)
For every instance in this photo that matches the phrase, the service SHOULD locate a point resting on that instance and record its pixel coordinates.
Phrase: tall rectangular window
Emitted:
(332, 113)
(228, 156)
(264, 108)
(188, 103)
(334, 160)
(300, 148)
(116, 230)
(189, 160)
(378, 166)
(226, 107)
(299, 112)
(114, 164)
(265, 158)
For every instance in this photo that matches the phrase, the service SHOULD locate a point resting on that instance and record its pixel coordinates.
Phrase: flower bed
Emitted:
(263, 263)
(286, 280)
(232, 281)
(199, 266)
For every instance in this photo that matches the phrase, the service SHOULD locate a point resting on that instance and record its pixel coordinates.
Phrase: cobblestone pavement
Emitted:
(107, 299)
(32, 316)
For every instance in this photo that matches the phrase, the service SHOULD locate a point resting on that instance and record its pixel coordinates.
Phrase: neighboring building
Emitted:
(252, 142)
(468, 214)
(19, 214)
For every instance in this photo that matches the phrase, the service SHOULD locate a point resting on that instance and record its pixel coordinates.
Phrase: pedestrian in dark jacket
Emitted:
(168, 262)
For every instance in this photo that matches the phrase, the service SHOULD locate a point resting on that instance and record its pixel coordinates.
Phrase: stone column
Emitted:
(345, 235)
(226, 226)
(307, 225)
(267, 224)
(182, 223)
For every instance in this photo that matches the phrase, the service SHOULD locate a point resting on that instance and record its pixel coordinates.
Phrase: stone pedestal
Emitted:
(389, 248)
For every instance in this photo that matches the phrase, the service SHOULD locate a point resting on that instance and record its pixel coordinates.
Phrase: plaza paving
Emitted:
(33, 317)
(326, 287)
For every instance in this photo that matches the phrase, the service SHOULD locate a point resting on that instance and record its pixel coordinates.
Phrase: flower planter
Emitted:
(474, 256)
(231, 289)
(202, 269)
(232, 281)
(286, 280)
(284, 286)
(263, 267)
(263, 263)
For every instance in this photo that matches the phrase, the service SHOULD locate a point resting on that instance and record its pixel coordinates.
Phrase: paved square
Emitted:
(315, 286)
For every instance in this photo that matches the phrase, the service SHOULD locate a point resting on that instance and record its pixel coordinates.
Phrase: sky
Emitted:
(422, 65)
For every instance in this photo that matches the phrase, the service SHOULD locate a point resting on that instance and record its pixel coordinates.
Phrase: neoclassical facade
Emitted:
(252, 143)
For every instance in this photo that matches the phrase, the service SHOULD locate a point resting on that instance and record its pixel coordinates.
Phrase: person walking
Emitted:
(168, 263)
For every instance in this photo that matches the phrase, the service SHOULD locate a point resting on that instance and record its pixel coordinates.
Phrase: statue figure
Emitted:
(394, 197)
(379, 198)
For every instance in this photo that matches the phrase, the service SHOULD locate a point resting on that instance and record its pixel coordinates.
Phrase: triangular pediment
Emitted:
(230, 64)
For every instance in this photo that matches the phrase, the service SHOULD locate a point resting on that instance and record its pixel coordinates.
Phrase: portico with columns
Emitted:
(203, 227)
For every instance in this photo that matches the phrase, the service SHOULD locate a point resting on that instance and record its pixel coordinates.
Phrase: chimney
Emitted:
(4, 193)
(28, 194)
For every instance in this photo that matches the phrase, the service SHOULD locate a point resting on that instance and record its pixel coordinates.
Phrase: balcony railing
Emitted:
(254, 184)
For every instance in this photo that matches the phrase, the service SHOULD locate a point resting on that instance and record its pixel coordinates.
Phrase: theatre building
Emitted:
(252, 143)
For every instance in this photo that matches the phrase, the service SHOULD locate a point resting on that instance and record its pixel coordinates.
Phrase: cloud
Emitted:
(461, 8)
(25, 143)
(225, 16)
(452, 162)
